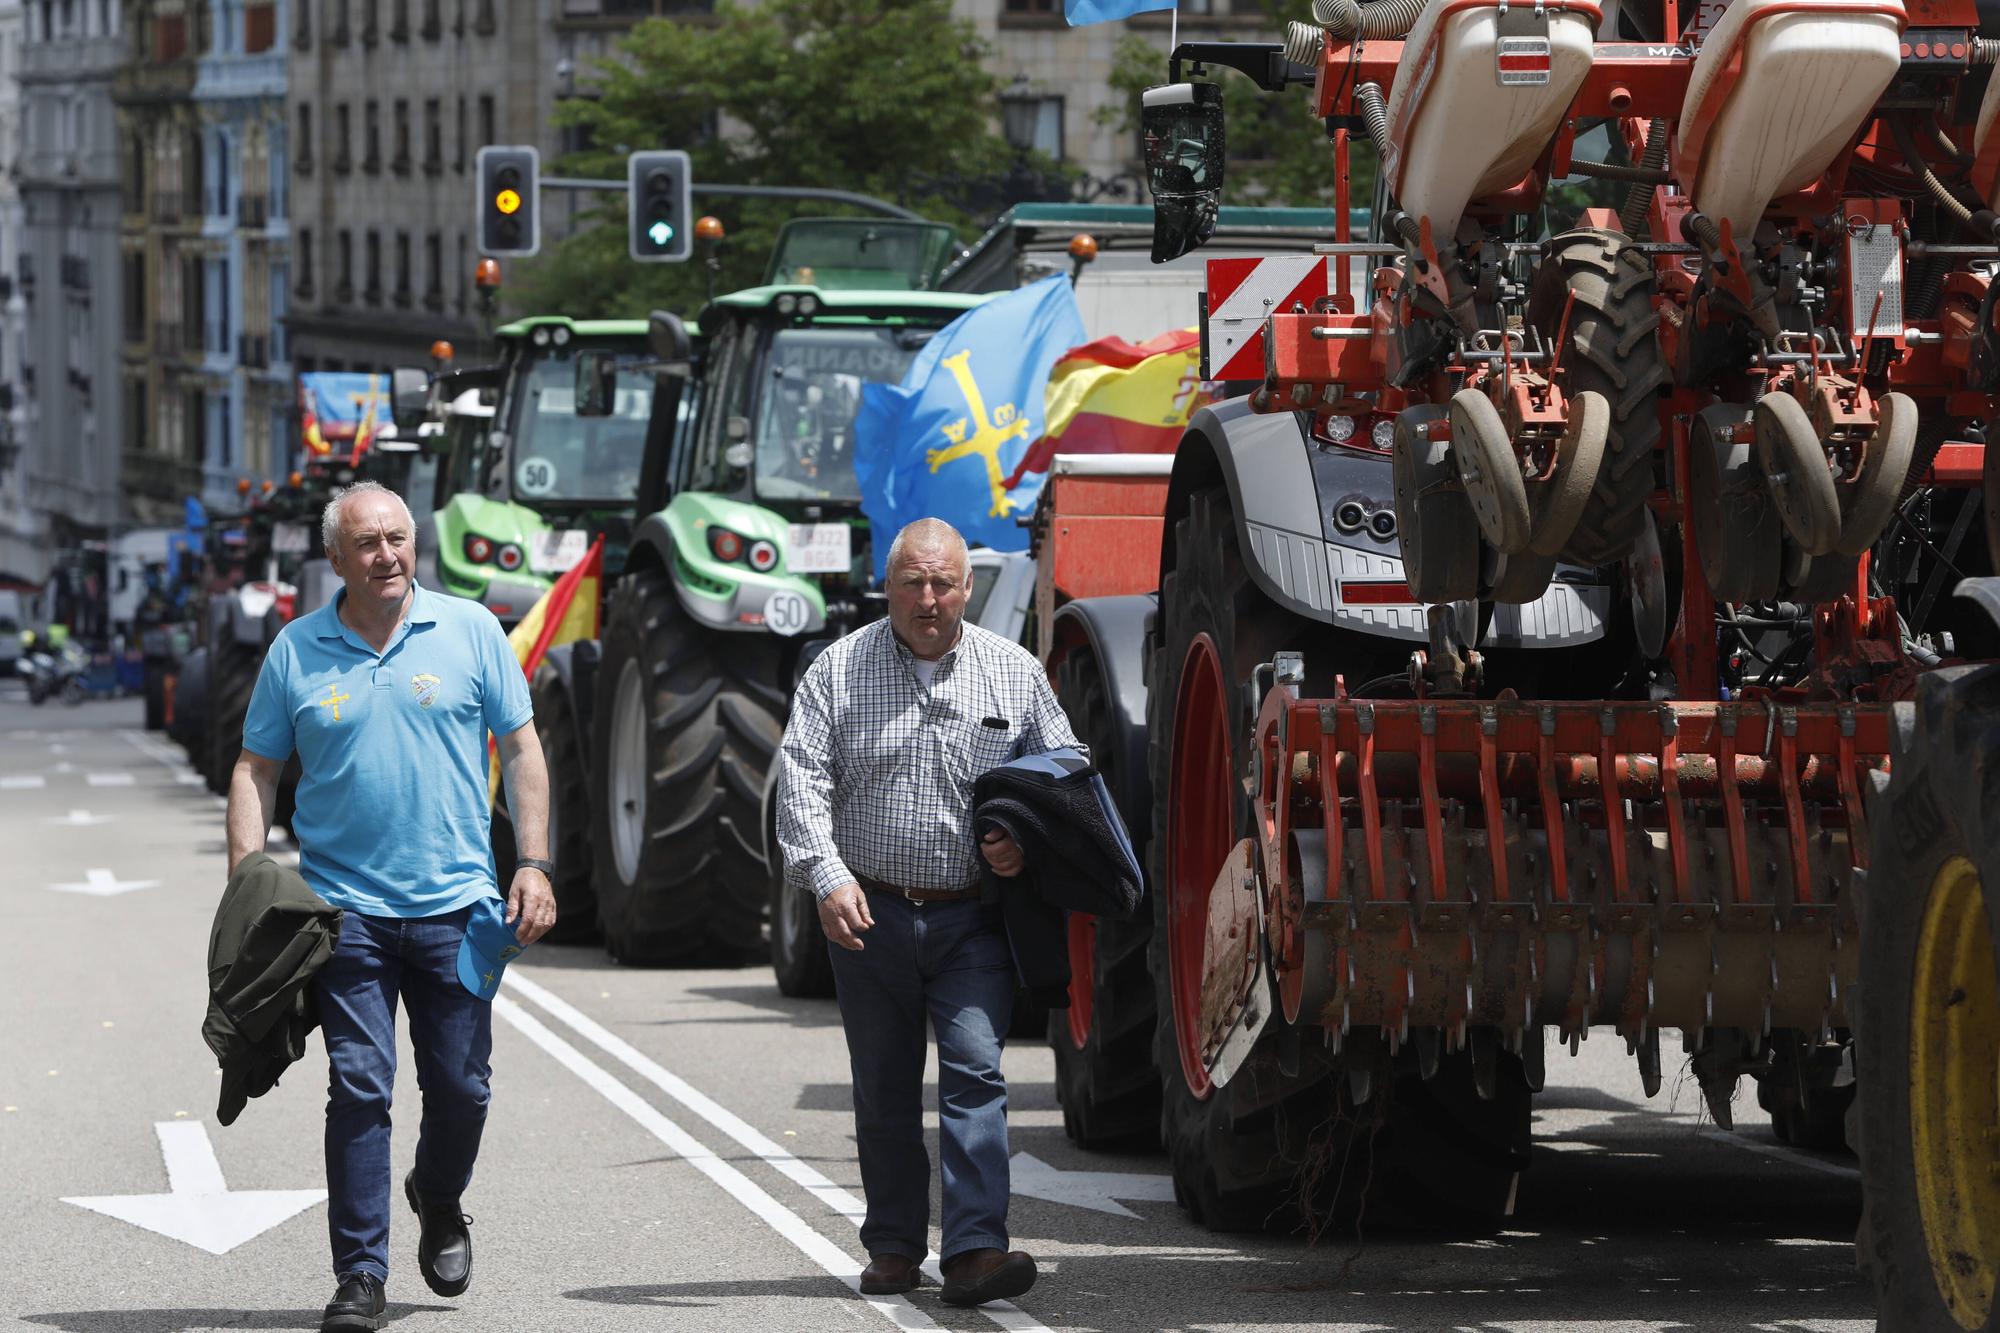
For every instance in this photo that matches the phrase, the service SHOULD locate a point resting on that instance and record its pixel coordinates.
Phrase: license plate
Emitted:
(820, 548)
(557, 552)
(291, 539)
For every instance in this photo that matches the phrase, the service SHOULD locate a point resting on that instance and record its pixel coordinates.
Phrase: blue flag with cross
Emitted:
(943, 442)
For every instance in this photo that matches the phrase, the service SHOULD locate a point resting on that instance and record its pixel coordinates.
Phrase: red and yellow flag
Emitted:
(566, 612)
(1116, 397)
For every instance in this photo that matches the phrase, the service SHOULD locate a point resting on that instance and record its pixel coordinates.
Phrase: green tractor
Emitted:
(530, 459)
(751, 554)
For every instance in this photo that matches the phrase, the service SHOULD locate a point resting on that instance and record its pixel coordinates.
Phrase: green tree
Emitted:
(874, 96)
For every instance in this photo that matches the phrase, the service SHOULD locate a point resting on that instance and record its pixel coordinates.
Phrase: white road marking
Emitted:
(77, 819)
(1783, 1154)
(747, 1136)
(23, 782)
(1096, 1190)
(837, 1262)
(198, 1208)
(100, 883)
(108, 779)
(163, 754)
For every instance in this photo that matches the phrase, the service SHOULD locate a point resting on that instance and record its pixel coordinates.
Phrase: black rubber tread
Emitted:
(190, 702)
(804, 972)
(1613, 347)
(230, 684)
(1277, 1150)
(569, 804)
(1941, 800)
(156, 696)
(1109, 1088)
(699, 895)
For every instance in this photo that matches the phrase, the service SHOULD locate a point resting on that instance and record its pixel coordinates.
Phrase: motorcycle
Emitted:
(54, 675)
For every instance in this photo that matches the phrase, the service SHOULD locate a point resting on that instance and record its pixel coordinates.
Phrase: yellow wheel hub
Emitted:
(1955, 1093)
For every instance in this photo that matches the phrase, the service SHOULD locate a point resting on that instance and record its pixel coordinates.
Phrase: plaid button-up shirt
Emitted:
(878, 769)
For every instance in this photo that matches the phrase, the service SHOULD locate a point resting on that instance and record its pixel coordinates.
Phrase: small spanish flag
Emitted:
(1116, 397)
(566, 612)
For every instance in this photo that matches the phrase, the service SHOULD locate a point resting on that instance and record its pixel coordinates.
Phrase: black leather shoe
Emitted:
(890, 1275)
(358, 1303)
(444, 1251)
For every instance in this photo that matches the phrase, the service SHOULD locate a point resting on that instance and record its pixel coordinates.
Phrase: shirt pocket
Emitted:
(973, 748)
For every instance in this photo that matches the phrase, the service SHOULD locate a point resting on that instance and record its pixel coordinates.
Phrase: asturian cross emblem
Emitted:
(987, 435)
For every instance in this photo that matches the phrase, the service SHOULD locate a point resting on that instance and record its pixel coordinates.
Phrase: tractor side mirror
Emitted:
(1181, 127)
(409, 396)
(596, 382)
(668, 337)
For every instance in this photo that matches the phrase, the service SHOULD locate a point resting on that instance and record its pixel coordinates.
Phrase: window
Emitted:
(402, 295)
(305, 157)
(135, 298)
(1029, 7)
(433, 136)
(372, 293)
(193, 184)
(371, 138)
(483, 21)
(260, 28)
(277, 313)
(399, 20)
(305, 252)
(344, 291)
(401, 163)
(341, 36)
(486, 119)
(342, 135)
(219, 337)
(302, 25)
(370, 22)
(463, 273)
(458, 163)
(434, 271)
(433, 21)
(219, 203)
(135, 174)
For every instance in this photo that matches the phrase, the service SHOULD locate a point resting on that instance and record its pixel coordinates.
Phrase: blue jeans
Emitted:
(948, 962)
(380, 959)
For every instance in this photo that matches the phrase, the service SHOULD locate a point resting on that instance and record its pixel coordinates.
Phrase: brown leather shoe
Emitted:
(890, 1275)
(978, 1276)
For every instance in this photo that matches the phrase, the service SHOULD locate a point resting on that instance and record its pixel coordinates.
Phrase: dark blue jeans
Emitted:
(379, 960)
(948, 963)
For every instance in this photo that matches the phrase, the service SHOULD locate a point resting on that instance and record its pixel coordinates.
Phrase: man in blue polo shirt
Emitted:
(387, 696)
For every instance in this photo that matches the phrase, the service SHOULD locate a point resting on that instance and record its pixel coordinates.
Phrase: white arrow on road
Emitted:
(1096, 1190)
(198, 1208)
(77, 819)
(100, 883)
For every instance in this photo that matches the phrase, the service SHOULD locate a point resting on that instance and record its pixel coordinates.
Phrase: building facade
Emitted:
(19, 525)
(390, 100)
(66, 272)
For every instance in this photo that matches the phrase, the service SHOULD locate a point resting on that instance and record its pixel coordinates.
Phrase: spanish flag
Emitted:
(566, 612)
(1116, 397)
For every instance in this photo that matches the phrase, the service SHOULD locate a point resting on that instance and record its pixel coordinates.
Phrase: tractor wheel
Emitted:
(156, 697)
(190, 704)
(798, 945)
(1928, 1012)
(569, 811)
(1604, 282)
(1105, 1079)
(231, 680)
(685, 730)
(1274, 1147)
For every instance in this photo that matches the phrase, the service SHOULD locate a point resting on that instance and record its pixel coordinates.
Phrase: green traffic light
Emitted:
(661, 233)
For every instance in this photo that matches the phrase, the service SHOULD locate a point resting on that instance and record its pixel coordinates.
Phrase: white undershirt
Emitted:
(925, 671)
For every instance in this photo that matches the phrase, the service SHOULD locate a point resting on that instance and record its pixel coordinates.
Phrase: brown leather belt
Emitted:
(916, 895)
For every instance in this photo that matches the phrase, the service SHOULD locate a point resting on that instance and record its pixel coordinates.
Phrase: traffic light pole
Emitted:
(867, 201)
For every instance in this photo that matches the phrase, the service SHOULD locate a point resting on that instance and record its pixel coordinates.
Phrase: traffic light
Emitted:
(662, 206)
(509, 195)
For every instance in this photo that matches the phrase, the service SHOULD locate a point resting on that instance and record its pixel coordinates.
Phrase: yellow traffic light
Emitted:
(508, 202)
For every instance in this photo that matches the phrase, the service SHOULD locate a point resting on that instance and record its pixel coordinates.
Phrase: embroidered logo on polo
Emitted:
(334, 699)
(425, 686)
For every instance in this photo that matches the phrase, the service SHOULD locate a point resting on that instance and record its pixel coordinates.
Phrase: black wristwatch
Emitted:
(548, 868)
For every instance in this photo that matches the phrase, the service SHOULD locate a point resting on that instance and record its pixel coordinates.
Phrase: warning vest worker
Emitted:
(387, 695)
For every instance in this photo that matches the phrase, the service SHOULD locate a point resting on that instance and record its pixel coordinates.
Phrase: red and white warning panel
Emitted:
(1242, 294)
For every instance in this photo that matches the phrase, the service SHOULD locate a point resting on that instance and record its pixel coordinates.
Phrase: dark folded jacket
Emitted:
(271, 934)
(1078, 858)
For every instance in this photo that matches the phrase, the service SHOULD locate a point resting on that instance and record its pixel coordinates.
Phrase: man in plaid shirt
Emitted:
(889, 729)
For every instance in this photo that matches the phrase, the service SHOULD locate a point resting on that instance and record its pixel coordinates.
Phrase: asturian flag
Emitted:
(1115, 397)
(942, 443)
(566, 612)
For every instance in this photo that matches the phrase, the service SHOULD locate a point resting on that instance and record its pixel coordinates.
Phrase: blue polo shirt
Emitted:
(393, 818)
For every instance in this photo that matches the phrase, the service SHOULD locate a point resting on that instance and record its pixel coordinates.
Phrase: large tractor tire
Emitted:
(1604, 282)
(156, 696)
(686, 727)
(1105, 1079)
(232, 677)
(1273, 1148)
(569, 810)
(798, 944)
(191, 705)
(1927, 1015)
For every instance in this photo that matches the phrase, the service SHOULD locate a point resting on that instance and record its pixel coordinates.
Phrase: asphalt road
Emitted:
(674, 1150)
